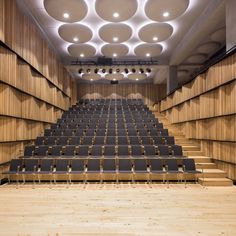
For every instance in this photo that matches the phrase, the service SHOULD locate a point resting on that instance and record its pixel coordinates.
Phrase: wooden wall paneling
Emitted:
(2, 16)
(148, 92)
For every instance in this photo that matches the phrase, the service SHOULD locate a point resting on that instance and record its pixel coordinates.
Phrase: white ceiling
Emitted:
(122, 29)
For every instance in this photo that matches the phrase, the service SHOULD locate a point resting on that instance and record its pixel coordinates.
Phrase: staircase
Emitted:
(211, 176)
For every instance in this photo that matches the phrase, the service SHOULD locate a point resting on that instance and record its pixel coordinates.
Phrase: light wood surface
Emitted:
(205, 111)
(150, 93)
(35, 88)
(122, 210)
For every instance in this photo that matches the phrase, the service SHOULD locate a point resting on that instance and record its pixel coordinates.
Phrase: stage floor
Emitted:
(127, 210)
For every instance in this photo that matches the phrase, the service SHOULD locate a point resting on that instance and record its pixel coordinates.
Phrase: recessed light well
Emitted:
(155, 38)
(75, 39)
(91, 79)
(148, 54)
(114, 55)
(114, 79)
(66, 15)
(166, 14)
(137, 79)
(115, 39)
(81, 55)
(116, 14)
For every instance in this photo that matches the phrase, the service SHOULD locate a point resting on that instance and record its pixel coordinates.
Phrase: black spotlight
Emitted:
(88, 70)
(103, 70)
(126, 71)
(117, 70)
(133, 70)
(148, 70)
(96, 70)
(80, 71)
(141, 70)
(110, 71)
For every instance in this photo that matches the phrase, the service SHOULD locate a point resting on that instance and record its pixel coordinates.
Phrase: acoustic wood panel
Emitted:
(150, 93)
(205, 110)
(35, 88)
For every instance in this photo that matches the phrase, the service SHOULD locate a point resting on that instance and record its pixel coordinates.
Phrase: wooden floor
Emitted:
(124, 210)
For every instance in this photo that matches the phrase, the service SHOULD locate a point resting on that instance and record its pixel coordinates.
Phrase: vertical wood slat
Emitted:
(148, 92)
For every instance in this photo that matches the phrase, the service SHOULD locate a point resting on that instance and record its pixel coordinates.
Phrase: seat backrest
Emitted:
(136, 150)
(170, 140)
(96, 150)
(109, 165)
(99, 140)
(51, 141)
(172, 165)
(39, 141)
(111, 140)
(109, 150)
(29, 150)
(189, 165)
(93, 165)
(75, 141)
(31, 164)
(56, 150)
(62, 165)
(87, 140)
(156, 164)
(125, 165)
(77, 165)
(149, 150)
(41, 150)
(83, 150)
(46, 164)
(177, 150)
(62, 141)
(163, 150)
(122, 140)
(158, 140)
(16, 165)
(134, 140)
(69, 150)
(140, 164)
(123, 150)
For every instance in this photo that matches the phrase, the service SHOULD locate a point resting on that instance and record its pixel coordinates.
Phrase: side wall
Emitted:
(150, 93)
(205, 110)
(34, 87)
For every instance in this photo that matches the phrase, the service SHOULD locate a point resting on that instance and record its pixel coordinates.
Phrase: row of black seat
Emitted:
(107, 140)
(96, 166)
(107, 150)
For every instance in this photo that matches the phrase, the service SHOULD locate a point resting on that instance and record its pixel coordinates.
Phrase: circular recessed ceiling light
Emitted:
(81, 55)
(75, 39)
(136, 79)
(148, 54)
(66, 15)
(166, 14)
(116, 14)
(155, 38)
(91, 79)
(115, 39)
(114, 55)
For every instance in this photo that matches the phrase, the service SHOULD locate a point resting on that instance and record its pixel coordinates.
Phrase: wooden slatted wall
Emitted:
(205, 110)
(34, 87)
(148, 92)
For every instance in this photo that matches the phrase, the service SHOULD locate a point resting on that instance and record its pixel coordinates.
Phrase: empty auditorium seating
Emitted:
(104, 140)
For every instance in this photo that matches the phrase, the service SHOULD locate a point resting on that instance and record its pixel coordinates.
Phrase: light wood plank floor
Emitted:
(123, 210)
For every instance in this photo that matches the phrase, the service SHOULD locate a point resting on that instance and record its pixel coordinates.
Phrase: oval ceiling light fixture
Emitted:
(148, 50)
(81, 50)
(115, 32)
(114, 50)
(66, 10)
(116, 10)
(75, 33)
(163, 10)
(155, 32)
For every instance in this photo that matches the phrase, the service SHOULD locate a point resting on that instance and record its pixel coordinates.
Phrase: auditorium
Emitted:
(117, 117)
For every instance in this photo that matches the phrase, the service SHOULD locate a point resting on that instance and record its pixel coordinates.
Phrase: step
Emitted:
(207, 165)
(190, 148)
(201, 159)
(215, 182)
(214, 173)
(193, 153)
